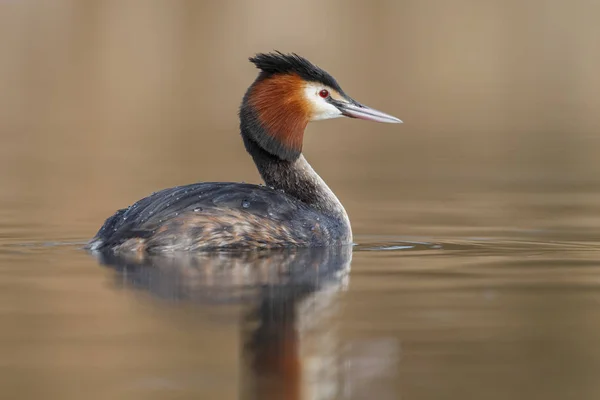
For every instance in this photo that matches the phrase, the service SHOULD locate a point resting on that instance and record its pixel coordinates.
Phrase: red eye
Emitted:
(324, 93)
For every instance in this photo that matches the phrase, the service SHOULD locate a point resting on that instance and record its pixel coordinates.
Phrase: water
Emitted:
(392, 317)
(476, 271)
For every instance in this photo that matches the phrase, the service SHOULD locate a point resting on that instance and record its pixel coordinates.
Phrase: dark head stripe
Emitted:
(280, 63)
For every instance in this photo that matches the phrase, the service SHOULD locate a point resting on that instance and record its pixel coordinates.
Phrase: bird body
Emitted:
(295, 208)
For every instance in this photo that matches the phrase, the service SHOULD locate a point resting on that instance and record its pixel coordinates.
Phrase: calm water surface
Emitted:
(469, 311)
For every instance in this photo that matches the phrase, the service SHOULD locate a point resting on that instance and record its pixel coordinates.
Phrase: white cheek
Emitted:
(326, 112)
(321, 108)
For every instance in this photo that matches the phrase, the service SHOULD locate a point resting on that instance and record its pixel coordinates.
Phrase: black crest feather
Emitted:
(280, 63)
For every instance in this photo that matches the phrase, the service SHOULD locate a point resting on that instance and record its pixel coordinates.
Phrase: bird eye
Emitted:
(324, 93)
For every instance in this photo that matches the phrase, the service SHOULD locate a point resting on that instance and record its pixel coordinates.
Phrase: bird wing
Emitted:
(204, 213)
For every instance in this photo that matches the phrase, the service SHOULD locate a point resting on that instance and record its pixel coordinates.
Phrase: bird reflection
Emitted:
(271, 286)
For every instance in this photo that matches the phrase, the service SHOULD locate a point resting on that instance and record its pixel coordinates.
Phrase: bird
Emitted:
(294, 208)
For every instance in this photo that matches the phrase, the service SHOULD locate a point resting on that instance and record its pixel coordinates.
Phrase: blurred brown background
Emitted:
(104, 101)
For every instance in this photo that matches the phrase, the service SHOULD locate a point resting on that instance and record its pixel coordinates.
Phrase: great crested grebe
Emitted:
(295, 208)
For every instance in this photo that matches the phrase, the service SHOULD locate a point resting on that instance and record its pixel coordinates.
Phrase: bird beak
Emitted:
(357, 110)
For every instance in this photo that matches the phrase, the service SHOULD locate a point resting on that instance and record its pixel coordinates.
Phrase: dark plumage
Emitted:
(280, 63)
(212, 215)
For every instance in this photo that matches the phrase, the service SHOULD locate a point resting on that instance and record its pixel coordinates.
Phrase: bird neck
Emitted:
(296, 178)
